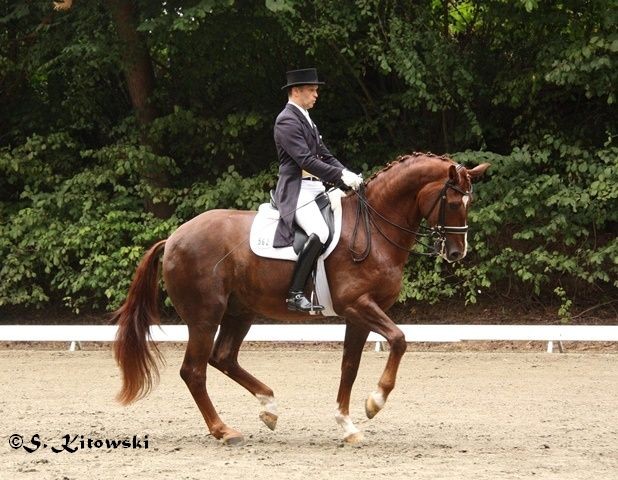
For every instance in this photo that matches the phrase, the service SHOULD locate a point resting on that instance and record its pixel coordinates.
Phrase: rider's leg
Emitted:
(304, 265)
(309, 218)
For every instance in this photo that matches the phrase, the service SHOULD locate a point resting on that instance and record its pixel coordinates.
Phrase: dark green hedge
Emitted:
(542, 223)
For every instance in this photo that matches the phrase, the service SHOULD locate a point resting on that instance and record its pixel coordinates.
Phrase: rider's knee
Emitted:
(322, 234)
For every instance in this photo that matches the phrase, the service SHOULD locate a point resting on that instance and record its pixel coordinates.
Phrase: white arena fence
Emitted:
(325, 333)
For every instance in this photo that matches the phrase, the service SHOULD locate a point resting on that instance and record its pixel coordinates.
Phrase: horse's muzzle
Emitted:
(454, 254)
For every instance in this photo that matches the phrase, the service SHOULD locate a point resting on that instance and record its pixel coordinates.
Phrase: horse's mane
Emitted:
(410, 158)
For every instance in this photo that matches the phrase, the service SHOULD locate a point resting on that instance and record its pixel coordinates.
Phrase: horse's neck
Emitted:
(394, 193)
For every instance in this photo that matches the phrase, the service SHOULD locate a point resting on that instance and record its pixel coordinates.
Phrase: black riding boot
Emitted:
(306, 259)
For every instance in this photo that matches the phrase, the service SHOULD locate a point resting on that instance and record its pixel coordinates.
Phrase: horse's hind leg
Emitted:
(193, 372)
(225, 358)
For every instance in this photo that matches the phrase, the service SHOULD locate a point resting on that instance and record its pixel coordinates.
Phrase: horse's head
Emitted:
(444, 204)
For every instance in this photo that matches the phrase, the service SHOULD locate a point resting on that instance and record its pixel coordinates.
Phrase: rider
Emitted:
(304, 162)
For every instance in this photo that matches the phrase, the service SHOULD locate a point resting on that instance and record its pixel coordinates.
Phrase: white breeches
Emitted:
(308, 215)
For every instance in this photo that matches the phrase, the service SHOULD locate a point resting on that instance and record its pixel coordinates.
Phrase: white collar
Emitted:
(303, 111)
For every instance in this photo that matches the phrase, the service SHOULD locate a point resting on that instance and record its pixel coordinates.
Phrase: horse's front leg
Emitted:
(355, 338)
(367, 314)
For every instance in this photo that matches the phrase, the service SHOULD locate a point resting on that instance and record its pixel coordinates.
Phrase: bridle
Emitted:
(436, 233)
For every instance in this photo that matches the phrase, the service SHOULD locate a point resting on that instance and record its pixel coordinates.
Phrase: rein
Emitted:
(437, 233)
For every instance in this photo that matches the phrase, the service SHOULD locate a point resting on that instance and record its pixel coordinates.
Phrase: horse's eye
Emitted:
(454, 205)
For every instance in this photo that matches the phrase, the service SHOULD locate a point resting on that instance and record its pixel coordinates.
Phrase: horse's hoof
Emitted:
(372, 407)
(233, 439)
(354, 438)
(269, 419)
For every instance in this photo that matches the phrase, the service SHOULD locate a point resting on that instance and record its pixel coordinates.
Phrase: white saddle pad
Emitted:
(263, 233)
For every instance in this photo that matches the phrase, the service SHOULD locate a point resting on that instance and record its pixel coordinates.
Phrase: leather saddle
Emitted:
(300, 236)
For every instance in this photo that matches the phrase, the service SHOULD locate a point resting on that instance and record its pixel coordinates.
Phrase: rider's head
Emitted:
(303, 95)
(302, 86)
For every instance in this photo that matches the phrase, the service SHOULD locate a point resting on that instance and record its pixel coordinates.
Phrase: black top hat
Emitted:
(306, 76)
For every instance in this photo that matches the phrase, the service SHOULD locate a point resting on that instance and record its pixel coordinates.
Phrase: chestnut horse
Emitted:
(215, 281)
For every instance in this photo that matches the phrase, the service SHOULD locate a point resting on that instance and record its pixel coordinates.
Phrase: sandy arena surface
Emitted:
(459, 415)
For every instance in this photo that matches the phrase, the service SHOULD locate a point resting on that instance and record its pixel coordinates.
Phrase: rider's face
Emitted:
(305, 95)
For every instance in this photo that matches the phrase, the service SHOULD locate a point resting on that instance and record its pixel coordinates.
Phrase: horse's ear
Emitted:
(478, 171)
(453, 174)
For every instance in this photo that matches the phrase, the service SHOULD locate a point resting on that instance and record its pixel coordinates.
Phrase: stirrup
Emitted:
(296, 301)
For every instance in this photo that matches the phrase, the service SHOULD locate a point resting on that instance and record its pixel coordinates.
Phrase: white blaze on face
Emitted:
(466, 199)
(269, 403)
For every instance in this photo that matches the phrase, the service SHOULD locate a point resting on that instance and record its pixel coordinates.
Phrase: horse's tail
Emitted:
(137, 361)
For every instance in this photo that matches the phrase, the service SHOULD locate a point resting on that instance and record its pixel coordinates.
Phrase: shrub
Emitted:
(543, 223)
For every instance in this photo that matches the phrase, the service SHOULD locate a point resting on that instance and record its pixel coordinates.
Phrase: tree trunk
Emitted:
(140, 80)
(444, 120)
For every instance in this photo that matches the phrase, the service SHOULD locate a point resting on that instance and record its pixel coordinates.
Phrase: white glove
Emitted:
(351, 180)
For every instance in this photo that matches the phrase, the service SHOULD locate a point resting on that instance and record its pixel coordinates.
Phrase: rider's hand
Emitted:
(351, 180)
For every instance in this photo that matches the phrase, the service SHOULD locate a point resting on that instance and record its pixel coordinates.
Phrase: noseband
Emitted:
(437, 233)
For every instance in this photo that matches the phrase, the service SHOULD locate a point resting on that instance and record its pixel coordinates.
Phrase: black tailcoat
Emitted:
(299, 148)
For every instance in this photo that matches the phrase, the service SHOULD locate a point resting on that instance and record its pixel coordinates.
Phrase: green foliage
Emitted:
(564, 312)
(552, 204)
(526, 85)
(230, 190)
(75, 236)
(78, 237)
(590, 66)
(543, 223)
